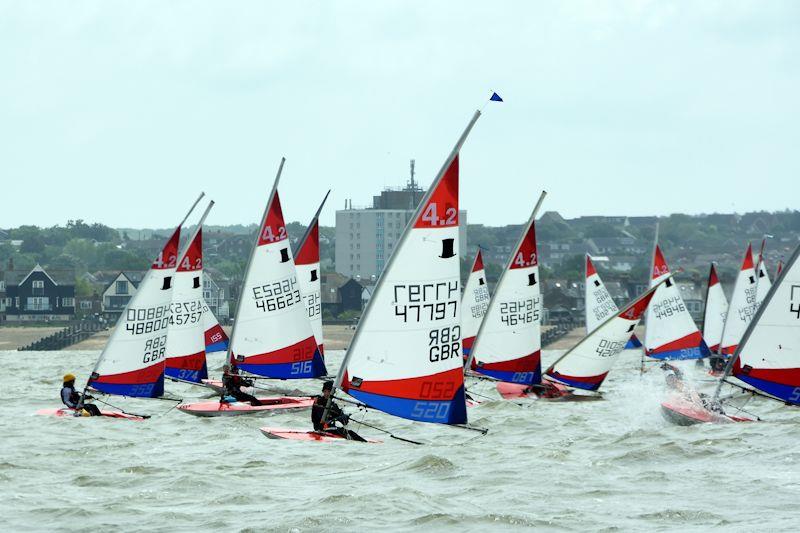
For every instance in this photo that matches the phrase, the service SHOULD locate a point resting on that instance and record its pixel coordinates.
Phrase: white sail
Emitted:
(132, 362)
(670, 331)
(508, 345)
(768, 357)
(474, 303)
(599, 304)
(272, 335)
(715, 312)
(186, 347)
(587, 364)
(763, 283)
(742, 306)
(308, 275)
(405, 358)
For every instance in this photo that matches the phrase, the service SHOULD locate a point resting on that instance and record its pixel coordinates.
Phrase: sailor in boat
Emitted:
(717, 365)
(335, 414)
(233, 383)
(546, 389)
(675, 382)
(72, 398)
(673, 377)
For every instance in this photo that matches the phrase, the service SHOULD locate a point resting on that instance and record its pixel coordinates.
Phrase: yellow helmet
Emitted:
(69, 377)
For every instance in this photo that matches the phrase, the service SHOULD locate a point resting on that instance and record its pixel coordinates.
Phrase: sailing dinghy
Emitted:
(186, 353)
(132, 362)
(507, 347)
(272, 336)
(405, 357)
(474, 303)
(599, 304)
(308, 275)
(670, 332)
(588, 363)
(766, 362)
(715, 311)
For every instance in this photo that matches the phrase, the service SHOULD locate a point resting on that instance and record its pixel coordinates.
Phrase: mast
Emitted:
(105, 348)
(253, 253)
(195, 232)
(647, 313)
(586, 260)
(753, 323)
(411, 221)
(511, 258)
(302, 241)
(192, 208)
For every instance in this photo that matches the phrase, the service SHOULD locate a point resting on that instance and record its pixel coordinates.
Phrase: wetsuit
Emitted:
(71, 398)
(335, 414)
(233, 384)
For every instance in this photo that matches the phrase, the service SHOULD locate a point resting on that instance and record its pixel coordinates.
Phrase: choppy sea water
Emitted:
(593, 466)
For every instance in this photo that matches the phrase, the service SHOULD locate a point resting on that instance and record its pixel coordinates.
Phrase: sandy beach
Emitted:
(336, 337)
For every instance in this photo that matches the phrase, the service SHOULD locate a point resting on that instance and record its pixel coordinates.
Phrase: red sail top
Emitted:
(659, 264)
(747, 264)
(712, 277)
(192, 260)
(526, 255)
(478, 264)
(308, 254)
(274, 229)
(168, 257)
(634, 311)
(590, 271)
(442, 208)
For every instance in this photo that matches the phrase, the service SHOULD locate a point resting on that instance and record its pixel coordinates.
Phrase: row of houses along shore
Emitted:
(358, 248)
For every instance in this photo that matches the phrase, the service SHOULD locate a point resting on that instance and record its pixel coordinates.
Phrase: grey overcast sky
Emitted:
(120, 112)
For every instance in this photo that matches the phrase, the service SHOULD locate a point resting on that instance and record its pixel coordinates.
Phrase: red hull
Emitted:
(511, 391)
(70, 413)
(300, 434)
(271, 405)
(684, 412)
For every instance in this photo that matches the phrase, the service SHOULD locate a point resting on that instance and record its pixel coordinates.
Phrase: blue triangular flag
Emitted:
(495, 98)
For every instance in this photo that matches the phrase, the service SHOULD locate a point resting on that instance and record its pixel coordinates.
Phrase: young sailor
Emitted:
(233, 383)
(72, 399)
(335, 414)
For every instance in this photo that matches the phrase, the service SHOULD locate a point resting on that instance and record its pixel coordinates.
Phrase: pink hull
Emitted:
(299, 434)
(70, 413)
(271, 405)
(683, 412)
(510, 391)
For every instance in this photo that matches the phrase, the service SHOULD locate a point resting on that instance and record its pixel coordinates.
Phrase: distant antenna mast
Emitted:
(412, 185)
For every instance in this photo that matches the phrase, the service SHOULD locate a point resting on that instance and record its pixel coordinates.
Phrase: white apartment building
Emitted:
(366, 238)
